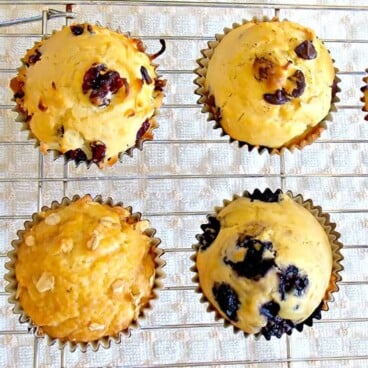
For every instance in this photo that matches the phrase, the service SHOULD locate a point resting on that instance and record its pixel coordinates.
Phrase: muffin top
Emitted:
(85, 270)
(88, 92)
(268, 266)
(270, 82)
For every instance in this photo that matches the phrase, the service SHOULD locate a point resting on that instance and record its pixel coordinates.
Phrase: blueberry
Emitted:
(270, 309)
(253, 266)
(292, 281)
(227, 299)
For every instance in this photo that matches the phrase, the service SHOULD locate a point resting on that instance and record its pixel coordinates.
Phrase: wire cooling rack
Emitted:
(188, 169)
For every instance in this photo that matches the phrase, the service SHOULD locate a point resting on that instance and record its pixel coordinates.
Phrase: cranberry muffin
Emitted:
(89, 93)
(267, 84)
(84, 270)
(267, 263)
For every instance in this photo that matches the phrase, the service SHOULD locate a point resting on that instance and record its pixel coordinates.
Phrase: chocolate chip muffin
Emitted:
(267, 84)
(84, 271)
(89, 93)
(267, 262)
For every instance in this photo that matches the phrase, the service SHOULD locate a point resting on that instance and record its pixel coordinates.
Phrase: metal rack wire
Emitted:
(183, 173)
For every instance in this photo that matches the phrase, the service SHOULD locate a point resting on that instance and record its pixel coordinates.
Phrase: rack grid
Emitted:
(187, 170)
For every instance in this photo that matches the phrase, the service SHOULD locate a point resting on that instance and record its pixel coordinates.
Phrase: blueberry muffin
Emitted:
(84, 270)
(267, 84)
(89, 93)
(267, 262)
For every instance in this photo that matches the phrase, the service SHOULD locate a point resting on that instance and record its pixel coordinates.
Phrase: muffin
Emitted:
(364, 99)
(267, 84)
(91, 99)
(267, 263)
(83, 271)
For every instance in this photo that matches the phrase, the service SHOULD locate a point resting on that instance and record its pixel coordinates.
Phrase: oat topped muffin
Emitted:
(267, 83)
(265, 263)
(89, 93)
(85, 270)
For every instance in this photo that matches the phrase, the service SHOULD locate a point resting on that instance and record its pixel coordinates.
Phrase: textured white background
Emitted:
(183, 174)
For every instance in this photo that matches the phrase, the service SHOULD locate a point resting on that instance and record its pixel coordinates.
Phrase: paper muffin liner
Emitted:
(212, 228)
(105, 341)
(209, 105)
(146, 128)
(363, 99)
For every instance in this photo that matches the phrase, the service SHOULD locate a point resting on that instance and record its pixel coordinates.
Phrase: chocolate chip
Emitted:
(210, 232)
(299, 79)
(306, 50)
(280, 97)
(254, 265)
(53, 85)
(262, 67)
(77, 29)
(266, 196)
(161, 51)
(77, 155)
(292, 281)
(98, 151)
(145, 76)
(227, 299)
(143, 129)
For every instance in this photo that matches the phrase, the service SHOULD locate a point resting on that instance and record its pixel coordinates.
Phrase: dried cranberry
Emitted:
(77, 155)
(98, 151)
(306, 50)
(145, 76)
(77, 29)
(160, 84)
(227, 299)
(161, 51)
(19, 94)
(34, 57)
(143, 129)
(103, 83)
(210, 232)
(254, 265)
(292, 281)
(280, 97)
